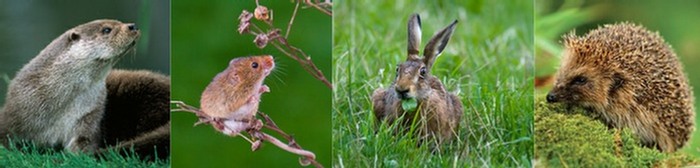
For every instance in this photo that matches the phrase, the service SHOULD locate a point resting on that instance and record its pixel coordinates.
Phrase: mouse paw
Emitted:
(264, 89)
(232, 127)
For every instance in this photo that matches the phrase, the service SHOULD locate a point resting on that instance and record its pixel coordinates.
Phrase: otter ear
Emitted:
(73, 36)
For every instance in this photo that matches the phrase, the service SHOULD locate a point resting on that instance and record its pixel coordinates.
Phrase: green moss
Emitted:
(567, 137)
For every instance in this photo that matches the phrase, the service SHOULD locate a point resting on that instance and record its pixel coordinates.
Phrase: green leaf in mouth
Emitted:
(409, 104)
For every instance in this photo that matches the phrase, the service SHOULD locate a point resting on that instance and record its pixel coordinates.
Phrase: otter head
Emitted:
(587, 77)
(100, 40)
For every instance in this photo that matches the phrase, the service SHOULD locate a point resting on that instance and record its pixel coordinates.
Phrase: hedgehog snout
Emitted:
(551, 98)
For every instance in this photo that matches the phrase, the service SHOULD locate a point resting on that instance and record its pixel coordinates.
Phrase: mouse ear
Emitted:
(73, 36)
(233, 78)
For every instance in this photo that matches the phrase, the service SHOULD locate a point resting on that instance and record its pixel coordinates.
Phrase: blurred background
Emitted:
(26, 27)
(675, 20)
(205, 39)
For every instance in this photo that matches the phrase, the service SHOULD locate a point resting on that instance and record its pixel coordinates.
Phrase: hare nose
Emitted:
(403, 94)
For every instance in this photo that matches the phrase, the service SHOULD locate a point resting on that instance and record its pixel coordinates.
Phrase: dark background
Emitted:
(26, 27)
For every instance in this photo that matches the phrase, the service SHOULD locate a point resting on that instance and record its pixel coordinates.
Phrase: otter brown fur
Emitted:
(137, 113)
(58, 98)
(629, 77)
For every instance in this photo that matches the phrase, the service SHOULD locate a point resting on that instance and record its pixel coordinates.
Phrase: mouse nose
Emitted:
(269, 60)
(551, 98)
(132, 26)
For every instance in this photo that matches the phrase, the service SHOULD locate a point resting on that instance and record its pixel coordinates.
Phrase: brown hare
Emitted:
(438, 112)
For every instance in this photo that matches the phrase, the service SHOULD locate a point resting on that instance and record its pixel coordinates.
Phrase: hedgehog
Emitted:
(627, 77)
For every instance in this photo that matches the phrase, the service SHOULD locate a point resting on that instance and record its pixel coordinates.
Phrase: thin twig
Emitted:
(272, 126)
(254, 130)
(291, 20)
(271, 35)
(304, 60)
(258, 29)
(312, 4)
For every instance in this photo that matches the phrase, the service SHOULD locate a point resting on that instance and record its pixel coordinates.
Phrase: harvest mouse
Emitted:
(232, 97)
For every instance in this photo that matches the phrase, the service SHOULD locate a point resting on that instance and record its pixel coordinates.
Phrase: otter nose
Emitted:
(551, 98)
(132, 26)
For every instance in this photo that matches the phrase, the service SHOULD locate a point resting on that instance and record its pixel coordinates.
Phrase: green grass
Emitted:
(488, 63)
(550, 25)
(27, 155)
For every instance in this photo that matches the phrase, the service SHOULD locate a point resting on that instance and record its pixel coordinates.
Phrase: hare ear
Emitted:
(437, 44)
(414, 35)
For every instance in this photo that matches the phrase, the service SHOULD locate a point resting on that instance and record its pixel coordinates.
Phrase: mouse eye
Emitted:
(255, 65)
(106, 30)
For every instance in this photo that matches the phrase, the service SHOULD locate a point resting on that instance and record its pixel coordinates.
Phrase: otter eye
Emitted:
(579, 80)
(106, 30)
(255, 65)
(422, 71)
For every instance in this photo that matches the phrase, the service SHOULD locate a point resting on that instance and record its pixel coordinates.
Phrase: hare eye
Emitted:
(106, 30)
(422, 71)
(255, 65)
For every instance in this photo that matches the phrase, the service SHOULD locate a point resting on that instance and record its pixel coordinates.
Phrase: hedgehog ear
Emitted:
(73, 36)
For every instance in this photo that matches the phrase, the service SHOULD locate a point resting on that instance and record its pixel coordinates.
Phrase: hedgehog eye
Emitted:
(255, 65)
(106, 30)
(422, 71)
(579, 80)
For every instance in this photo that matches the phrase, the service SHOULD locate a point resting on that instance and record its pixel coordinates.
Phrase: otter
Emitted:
(68, 97)
(57, 99)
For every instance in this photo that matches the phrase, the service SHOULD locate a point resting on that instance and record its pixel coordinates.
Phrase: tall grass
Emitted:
(488, 63)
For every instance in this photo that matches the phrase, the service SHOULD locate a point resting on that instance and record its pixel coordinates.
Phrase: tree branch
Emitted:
(324, 7)
(254, 129)
(272, 35)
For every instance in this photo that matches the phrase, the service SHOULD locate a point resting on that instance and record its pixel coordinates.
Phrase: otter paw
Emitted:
(80, 144)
